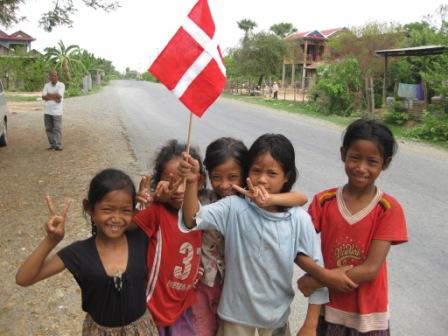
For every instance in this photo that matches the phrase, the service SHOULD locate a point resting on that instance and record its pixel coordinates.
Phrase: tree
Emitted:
(283, 29)
(59, 15)
(260, 56)
(361, 43)
(247, 25)
(66, 60)
(337, 87)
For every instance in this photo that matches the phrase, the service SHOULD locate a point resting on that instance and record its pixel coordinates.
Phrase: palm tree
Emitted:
(66, 60)
(283, 29)
(247, 25)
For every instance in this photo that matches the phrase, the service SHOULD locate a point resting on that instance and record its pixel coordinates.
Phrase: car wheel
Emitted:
(3, 137)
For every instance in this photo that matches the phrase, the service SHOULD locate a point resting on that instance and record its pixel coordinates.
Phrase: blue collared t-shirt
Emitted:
(260, 249)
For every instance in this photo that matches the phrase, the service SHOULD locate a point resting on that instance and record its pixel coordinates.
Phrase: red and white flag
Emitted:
(191, 64)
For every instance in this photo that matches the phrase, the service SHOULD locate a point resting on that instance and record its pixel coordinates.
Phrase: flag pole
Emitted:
(189, 132)
(190, 122)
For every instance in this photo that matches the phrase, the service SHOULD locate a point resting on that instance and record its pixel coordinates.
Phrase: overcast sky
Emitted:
(133, 35)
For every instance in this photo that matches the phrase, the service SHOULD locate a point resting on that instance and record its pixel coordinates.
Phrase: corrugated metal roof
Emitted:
(414, 51)
(313, 34)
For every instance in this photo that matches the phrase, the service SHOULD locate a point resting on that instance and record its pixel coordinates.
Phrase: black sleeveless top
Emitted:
(111, 301)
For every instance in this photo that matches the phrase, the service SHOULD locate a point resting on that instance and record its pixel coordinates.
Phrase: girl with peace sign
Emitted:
(109, 267)
(173, 255)
(225, 161)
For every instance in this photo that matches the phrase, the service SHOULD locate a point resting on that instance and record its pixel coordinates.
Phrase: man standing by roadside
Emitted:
(53, 95)
(275, 90)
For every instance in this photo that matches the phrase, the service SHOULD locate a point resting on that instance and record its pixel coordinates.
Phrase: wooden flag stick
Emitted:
(188, 142)
(189, 133)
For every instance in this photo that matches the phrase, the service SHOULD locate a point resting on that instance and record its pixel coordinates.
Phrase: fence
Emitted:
(290, 93)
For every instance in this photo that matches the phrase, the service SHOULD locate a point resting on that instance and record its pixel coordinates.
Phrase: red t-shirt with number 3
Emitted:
(173, 261)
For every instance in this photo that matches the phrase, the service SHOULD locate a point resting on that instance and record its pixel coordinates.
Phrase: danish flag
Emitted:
(191, 64)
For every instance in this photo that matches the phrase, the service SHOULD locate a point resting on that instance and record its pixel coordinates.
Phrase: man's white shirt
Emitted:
(51, 107)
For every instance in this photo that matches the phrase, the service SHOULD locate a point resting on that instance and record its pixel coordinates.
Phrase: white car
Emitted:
(3, 117)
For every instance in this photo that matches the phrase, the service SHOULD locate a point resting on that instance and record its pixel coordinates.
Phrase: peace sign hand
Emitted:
(144, 198)
(165, 189)
(258, 194)
(55, 227)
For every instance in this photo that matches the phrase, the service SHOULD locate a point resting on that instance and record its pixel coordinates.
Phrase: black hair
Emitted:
(373, 130)
(103, 183)
(170, 150)
(281, 150)
(224, 149)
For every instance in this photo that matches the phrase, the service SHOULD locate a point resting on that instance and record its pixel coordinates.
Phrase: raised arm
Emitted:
(289, 199)
(144, 197)
(38, 266)
(188, 169)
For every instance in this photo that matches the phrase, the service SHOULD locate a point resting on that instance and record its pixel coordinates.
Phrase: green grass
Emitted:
(308, 110)
(96, 89)
(292, 107)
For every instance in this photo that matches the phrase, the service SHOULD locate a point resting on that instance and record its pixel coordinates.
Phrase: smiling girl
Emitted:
(109, 267)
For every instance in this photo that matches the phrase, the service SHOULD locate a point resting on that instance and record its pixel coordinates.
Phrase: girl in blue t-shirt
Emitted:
(262, 242)
(225, 160)
(109, 267)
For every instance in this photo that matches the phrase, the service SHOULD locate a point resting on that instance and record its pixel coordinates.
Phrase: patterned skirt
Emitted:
(329, 329)
(144, 326)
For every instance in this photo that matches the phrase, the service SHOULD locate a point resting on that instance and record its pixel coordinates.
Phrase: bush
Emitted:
(396, 117)
(431, 128)
(73, 89)
(337, 86)
(147, 76)
(25, 74)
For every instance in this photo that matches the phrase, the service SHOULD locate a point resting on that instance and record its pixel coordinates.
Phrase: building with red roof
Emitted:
(310, 47)
(16, 42)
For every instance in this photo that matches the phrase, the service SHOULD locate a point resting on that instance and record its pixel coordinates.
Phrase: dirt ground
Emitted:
(92, 141)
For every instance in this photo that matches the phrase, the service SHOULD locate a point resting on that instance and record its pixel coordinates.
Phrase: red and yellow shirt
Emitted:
(346, 239)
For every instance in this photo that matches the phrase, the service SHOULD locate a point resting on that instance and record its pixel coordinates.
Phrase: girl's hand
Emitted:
(337, 279)
(55, 226)
(144, 198)
(166, 189)
(199, 275)
(307, 285)
(189, 168)
(306, 330)
(257, 194)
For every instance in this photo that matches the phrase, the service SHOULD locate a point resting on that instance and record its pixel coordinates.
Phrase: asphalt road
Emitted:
(418, 178)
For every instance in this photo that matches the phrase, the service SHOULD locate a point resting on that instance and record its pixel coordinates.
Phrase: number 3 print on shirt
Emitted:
(182, 272)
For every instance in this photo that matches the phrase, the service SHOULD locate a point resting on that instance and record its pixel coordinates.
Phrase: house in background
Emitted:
(18, 42)
(310, 48)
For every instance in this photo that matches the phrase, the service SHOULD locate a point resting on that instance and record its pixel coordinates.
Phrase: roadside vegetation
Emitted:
(350, 78)
(80, 70)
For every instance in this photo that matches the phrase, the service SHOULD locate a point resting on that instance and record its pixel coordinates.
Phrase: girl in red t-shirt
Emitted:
(358, 224)
(173, 256)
